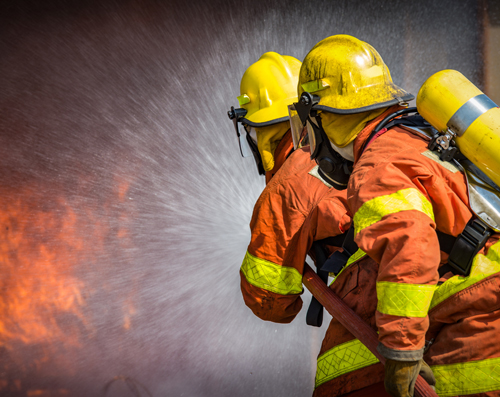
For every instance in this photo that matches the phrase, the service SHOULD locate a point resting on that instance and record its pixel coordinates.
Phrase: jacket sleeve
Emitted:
(278, 307)
(271, 272)
(394, 224)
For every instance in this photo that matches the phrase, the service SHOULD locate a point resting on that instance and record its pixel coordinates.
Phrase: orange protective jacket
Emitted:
(399, 194)
(270, 287)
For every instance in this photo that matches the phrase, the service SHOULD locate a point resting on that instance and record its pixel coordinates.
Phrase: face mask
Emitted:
(346, 152)
(333, 168)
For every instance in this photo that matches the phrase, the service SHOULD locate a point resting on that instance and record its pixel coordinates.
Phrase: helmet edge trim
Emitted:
(265, 124)
(392, 102)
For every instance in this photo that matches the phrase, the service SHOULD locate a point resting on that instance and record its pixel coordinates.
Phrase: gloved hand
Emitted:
(400, 376)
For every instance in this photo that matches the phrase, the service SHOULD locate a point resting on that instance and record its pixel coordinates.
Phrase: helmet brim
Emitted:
(274, 114)
(404, 99)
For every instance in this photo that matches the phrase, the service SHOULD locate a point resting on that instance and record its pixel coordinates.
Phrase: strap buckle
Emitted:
(468, 244)
(336, 262)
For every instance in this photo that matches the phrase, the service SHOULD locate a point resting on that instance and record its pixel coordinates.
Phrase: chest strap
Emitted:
(463, 248)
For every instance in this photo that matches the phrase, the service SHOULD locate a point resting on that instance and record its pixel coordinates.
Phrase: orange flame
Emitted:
(45, 242)
(37, 249)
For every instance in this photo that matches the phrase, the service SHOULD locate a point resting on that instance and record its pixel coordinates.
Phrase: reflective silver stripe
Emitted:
(469, 112)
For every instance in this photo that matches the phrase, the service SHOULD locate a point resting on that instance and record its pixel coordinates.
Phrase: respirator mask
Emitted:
(333, 168)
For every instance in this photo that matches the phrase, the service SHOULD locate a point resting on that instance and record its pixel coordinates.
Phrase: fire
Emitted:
(48, 244)
(37, 251)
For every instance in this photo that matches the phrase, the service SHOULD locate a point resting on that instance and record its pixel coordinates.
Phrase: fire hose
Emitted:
(352, 322)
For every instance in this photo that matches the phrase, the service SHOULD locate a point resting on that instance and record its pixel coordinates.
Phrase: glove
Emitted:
(400, 376)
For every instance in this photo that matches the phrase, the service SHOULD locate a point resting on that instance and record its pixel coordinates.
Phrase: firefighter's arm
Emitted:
(273, 290)
(394, 224)
(279, 305)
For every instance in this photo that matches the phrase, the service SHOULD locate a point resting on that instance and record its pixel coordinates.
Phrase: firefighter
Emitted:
(403, 196)
(267, 87)
(271, 288)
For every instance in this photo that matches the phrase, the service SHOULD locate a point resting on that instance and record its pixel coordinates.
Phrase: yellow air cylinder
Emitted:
(448, 100)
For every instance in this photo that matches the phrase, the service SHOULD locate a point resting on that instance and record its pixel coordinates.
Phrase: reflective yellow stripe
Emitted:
(404, 200)
(270, 276)
(467, 378)
(342, 359)
(357, 255)
(407, 300)
(482, 267)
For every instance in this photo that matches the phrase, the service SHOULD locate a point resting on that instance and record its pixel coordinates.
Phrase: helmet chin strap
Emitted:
(255, 151)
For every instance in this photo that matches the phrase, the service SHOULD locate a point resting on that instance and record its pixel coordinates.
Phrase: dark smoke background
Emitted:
(113, 125)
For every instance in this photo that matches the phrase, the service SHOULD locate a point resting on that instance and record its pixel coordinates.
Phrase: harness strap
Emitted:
(466, 246)
(314, 316)
(338, 259)
(461, 250)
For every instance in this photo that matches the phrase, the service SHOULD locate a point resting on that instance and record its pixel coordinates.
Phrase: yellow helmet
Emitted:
(349, 76)
(267, 88)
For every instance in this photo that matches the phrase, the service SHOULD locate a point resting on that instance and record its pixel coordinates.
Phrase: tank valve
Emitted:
(444, 143)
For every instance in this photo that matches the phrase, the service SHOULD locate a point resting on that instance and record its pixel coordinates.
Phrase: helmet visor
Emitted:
(312, 136)
(296, 127)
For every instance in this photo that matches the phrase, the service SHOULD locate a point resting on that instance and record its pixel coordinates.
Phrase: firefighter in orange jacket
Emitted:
(402, 196)
(270, 288)
(267, 87)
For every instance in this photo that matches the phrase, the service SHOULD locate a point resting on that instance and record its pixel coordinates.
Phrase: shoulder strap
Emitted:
(385, 122)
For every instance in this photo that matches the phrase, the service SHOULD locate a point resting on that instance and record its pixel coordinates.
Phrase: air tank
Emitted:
(451, 103)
